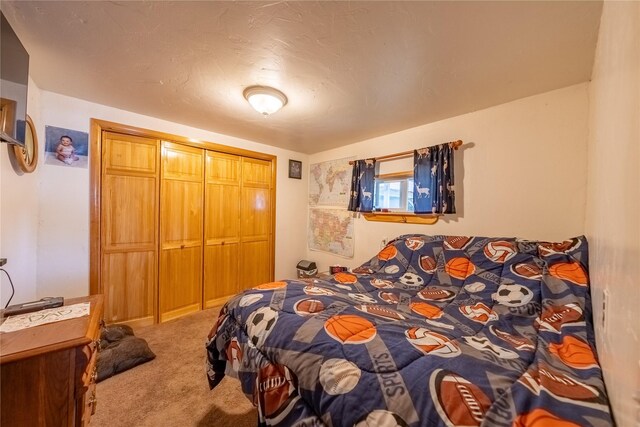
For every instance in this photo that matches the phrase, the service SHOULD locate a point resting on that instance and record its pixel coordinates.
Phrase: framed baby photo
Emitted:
(66, 147)
(295, 169)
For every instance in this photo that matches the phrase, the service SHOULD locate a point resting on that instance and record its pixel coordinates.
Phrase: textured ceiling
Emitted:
(351, 70)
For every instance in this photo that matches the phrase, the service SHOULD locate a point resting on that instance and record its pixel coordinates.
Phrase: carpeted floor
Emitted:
(172, 389)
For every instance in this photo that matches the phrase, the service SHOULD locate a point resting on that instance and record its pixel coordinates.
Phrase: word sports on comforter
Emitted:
(432, 331)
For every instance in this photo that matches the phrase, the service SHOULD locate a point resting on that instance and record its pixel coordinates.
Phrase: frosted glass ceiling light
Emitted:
(265, 100)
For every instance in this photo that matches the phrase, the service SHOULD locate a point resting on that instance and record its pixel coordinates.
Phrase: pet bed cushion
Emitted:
(120, 350)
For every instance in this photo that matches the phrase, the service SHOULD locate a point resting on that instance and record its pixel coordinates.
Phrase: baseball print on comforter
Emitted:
(432, 331)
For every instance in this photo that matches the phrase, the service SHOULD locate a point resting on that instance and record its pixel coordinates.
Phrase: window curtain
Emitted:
(362, 183)
(433, 180)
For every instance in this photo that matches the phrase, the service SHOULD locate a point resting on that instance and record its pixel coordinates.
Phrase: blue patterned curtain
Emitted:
(362, 183)
(433, 181)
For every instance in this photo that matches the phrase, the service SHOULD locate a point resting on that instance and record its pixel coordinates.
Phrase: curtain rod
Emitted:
(455, 145)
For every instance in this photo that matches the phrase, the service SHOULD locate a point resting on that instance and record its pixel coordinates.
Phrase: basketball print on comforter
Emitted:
(432, 331)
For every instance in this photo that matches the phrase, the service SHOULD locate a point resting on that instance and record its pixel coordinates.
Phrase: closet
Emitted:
(177, 226)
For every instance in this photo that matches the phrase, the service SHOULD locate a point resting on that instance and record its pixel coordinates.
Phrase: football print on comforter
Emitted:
(432, 331)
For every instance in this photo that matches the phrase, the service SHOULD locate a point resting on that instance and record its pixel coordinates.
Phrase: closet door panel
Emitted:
(130, 220)
(129, 287)
(222, 227)
(256, 213)
(180, 275)
(181, 162)
(256, 201)
(181, 222)
(223, 168)
(256, 173)
(256, 223)
(181, 212)
(220, 272)
(129, 228)
(222, 208)
(131, 154)
(256, 263)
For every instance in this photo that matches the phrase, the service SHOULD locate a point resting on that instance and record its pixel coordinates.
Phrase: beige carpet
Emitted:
(172, 389)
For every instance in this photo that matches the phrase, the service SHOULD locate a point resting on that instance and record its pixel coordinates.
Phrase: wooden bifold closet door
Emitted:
(255, 212)
(129, 237)
(181, 217)
(222, 227)
(182, 226)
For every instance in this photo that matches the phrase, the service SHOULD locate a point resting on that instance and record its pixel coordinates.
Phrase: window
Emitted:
(394, 192)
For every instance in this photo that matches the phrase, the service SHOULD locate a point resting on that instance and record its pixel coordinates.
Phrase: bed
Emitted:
(432, 331)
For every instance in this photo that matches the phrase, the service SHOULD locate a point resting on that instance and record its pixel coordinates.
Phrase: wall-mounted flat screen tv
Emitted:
(14, 79)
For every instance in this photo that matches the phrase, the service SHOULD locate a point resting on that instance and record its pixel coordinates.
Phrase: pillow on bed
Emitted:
(120, 350)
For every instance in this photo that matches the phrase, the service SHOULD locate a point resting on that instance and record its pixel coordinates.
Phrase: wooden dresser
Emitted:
(48, 372)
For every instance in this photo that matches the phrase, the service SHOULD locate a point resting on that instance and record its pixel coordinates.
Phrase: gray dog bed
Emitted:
(120, 350)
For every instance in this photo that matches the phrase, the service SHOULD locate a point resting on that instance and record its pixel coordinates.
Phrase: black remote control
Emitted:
(28, 307)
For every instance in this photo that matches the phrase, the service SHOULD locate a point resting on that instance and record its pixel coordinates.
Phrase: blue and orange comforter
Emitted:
(433, 331)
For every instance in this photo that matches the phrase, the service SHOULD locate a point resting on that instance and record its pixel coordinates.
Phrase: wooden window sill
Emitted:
(405, 217)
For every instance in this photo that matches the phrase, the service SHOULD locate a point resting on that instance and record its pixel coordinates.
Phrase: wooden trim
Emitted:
(19, 152)
(158, 249)
(222, 240)
(132, 130)
(274, 176)
(179, 312)
(203, 201)
(217, 302)
(130, 247)
(95, 170)
(137, 323)
(182, 147)
(7, 116)
(408, 153)
(395, 175)
(185, 245)
(408, 218)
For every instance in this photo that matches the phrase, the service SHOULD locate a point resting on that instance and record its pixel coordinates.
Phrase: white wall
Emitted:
(613, 203)
(63, 199)
(521, 172)
(19, 214)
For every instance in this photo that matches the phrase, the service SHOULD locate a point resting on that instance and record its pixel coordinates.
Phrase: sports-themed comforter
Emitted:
(433, 331)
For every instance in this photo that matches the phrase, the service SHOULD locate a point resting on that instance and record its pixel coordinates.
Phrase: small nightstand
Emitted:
(48, 371)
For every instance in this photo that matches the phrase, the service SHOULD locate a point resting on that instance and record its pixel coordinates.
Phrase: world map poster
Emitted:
(330, 183)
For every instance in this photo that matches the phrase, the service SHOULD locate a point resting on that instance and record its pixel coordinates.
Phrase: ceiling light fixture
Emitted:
(265, 100)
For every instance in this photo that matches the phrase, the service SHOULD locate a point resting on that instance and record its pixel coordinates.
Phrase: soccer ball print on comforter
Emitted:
(432, 331)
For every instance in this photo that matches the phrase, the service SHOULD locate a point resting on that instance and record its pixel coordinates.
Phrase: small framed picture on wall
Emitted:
(295, 169)
(66, 147)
